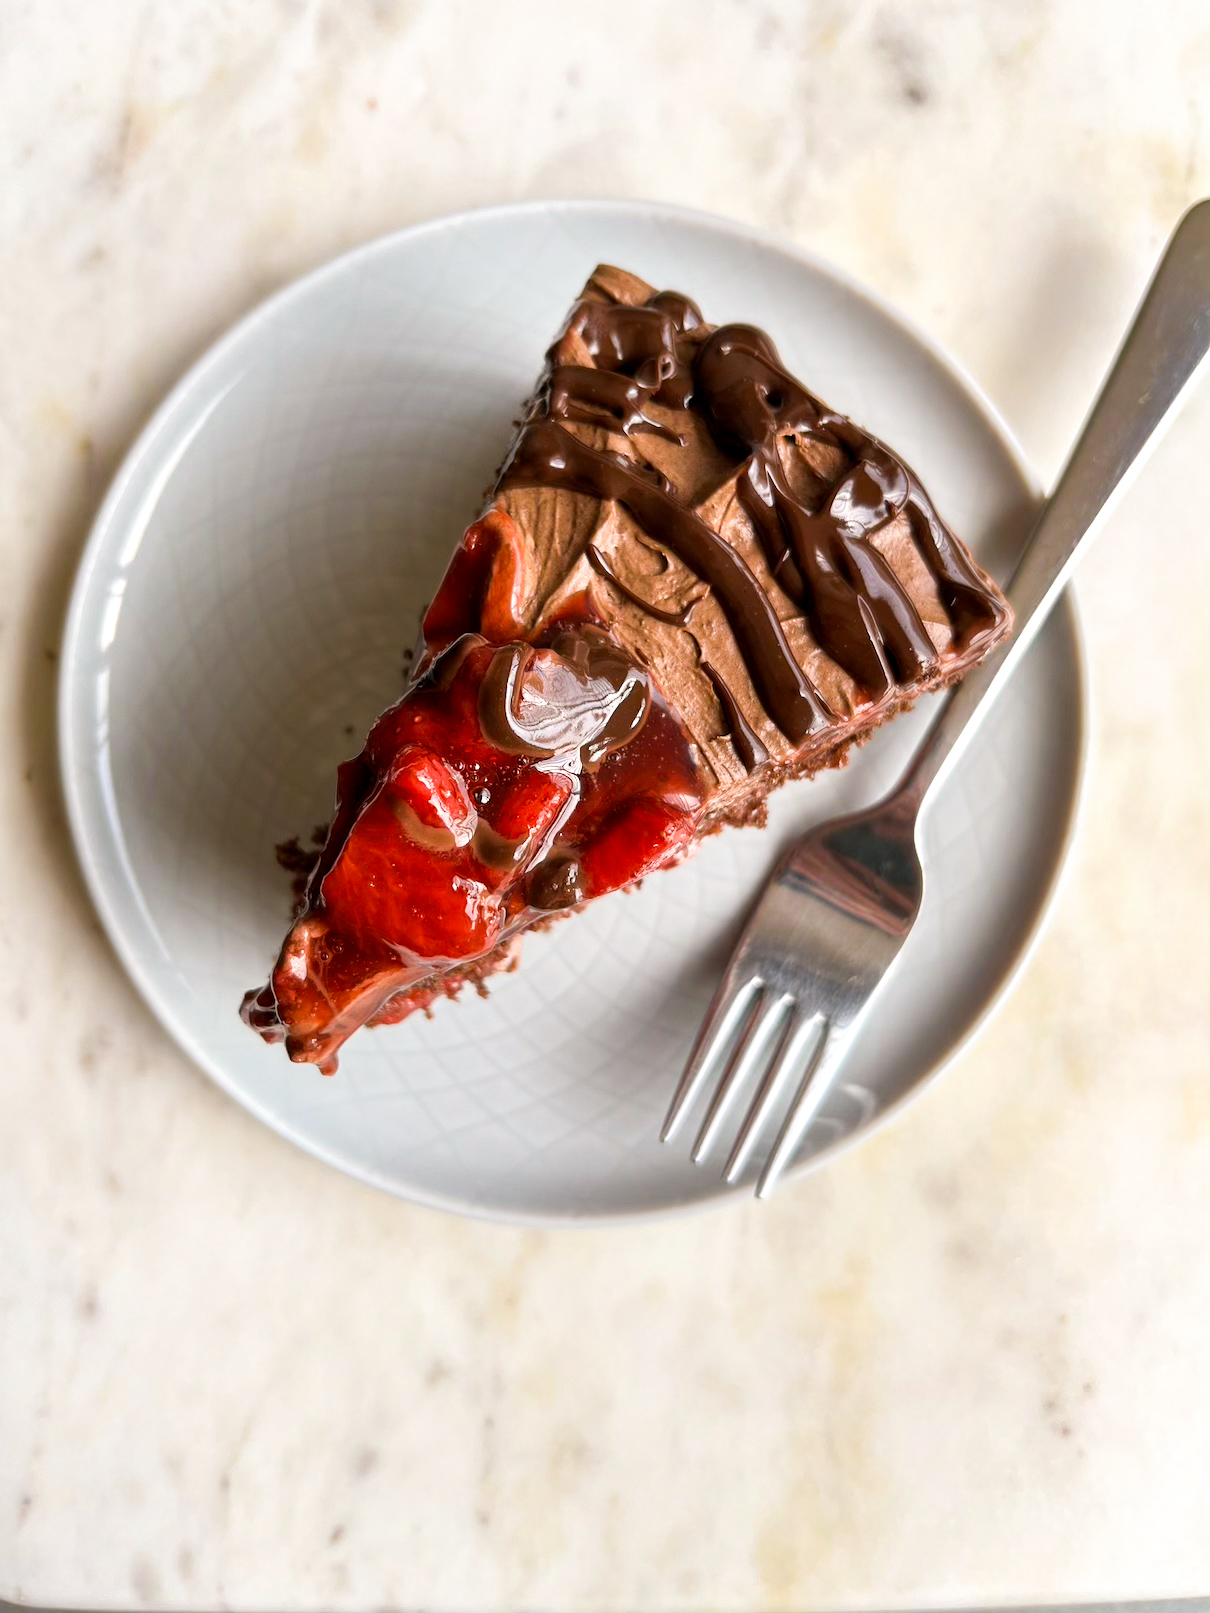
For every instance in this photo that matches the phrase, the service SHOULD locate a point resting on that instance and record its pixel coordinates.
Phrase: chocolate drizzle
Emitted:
(579, 699)
(748, 744)
(603, 398)
(548, 456)
(858, 611)
(643, 343)
(556, 883)
(819, 546)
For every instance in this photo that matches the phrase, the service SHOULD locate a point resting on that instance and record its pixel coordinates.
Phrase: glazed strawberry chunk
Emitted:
(430, 799)
(530, 807)
(640, 837)
(445, 843)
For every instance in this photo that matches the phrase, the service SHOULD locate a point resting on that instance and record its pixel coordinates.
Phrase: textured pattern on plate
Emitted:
(239, 623)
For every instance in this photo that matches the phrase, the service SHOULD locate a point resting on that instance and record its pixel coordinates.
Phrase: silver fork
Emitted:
(840, 904)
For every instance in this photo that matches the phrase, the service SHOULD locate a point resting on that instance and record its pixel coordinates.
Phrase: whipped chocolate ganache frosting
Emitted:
(815, 490)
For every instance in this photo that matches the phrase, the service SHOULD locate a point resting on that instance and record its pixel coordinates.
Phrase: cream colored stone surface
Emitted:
(970, 1361)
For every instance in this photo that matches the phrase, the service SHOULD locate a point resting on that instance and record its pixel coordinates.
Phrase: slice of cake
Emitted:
(693, 581)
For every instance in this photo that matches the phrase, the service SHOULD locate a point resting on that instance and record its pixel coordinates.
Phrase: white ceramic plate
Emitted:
(253, 576)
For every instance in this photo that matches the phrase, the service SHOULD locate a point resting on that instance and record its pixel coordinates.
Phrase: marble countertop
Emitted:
(970, 1361)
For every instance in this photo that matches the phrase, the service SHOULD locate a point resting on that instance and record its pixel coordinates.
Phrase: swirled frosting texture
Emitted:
(782, 573)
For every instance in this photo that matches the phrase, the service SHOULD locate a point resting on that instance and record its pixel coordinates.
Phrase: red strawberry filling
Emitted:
(510, 782)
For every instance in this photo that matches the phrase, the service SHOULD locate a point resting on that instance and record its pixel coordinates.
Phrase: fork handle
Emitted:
(1163, 351)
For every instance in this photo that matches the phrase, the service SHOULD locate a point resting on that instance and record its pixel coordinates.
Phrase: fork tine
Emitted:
(791, 1049)
(812, 1090)
(731, 1002)
(752, 1041)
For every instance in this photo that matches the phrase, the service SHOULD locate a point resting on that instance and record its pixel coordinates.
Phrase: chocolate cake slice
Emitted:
(692, 582)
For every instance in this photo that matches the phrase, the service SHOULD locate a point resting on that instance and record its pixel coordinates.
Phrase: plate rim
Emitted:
(92, 839)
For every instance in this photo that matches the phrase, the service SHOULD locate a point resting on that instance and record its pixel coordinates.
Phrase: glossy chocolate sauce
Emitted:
(818, 549)
(581, 697)
(546, 455)
(748, 744)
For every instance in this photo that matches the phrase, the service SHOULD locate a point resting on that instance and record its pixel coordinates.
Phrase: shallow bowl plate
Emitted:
(238, 622)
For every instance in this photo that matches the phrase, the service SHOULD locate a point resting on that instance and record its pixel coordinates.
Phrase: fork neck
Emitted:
(1163, 353)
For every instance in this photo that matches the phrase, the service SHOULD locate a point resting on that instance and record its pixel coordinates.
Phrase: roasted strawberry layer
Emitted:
(511, 782)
